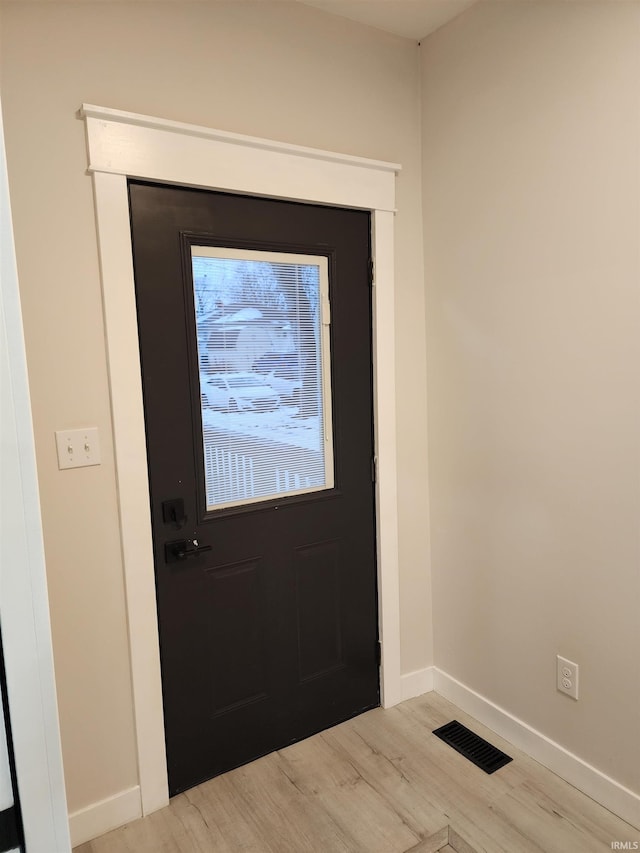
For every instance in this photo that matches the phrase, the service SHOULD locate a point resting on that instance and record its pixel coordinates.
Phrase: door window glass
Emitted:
(262, 324)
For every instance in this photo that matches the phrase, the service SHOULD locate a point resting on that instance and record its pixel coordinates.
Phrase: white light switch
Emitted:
(78, 447)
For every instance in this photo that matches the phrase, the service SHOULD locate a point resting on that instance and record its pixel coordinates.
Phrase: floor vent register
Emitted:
(472, 746)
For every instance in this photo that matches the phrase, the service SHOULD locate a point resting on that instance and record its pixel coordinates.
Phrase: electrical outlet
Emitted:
(567, 676)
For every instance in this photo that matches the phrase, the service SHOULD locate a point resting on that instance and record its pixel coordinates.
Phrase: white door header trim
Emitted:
(179, 127)
(173, 152)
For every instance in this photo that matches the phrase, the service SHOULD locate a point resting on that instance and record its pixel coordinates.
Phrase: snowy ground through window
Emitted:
(283, 424)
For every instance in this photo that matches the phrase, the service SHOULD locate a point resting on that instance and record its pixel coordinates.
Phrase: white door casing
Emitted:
(124, 145)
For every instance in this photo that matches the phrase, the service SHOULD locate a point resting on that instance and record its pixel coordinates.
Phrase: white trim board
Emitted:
(24, 605)
(122, 145)
(597, 785)
(99, 818)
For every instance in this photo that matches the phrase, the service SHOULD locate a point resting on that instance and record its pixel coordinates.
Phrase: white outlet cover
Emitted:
(78, 448)
(567, 677)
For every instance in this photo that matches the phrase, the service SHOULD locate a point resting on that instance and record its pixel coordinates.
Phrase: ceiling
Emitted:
(411, 18)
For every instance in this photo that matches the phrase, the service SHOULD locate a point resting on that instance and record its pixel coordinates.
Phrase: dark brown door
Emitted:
(258, 403)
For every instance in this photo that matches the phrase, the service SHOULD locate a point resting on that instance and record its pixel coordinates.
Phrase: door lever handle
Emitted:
(179, 550)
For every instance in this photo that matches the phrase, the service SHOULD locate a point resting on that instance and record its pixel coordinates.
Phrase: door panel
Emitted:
(319, 609)
(267, 608)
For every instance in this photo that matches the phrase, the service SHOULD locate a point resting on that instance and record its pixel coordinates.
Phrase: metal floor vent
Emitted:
(472, 746)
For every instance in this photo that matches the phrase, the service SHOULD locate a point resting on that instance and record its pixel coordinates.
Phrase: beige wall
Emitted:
(531, 129)
(531, 180)
(276, 70)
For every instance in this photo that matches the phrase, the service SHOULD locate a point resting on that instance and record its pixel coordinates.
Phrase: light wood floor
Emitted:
(380, 783)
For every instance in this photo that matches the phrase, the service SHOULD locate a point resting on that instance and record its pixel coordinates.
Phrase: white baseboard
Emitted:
(604, 790)
(416, 683)
(101, 817)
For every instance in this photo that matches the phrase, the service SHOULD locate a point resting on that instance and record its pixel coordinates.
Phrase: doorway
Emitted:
(122, 145)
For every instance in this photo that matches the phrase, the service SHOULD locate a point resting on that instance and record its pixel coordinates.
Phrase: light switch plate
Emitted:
(78, 448)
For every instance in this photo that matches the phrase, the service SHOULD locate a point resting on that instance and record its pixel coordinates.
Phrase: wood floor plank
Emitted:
(375, 825)
(490, 833)
(553, 827)
(585, 812)
(458, 843)
(387, 779)
(380, 783)
(235, 831)
(434, 843)
(445, 779)
(286, 817)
